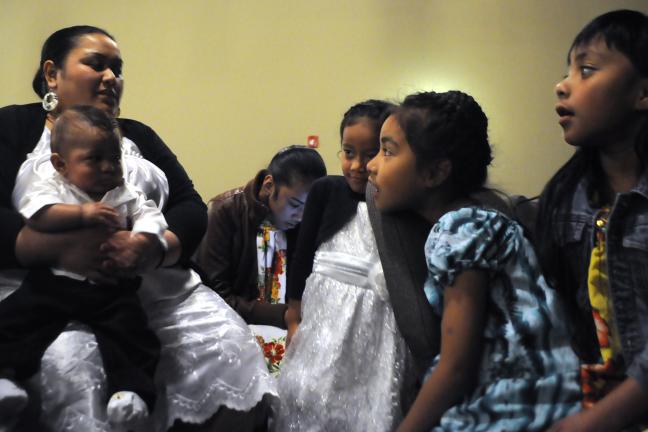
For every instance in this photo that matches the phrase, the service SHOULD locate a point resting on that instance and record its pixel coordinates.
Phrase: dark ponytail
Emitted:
(296, 164)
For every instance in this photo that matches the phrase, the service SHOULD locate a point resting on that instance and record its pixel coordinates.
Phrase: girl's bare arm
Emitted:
(461, 344)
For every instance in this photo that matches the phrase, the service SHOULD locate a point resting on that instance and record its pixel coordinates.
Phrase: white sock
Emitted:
(126, 409)
(13, 400)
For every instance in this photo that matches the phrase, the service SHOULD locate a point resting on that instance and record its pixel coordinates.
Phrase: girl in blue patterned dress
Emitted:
(505, 361)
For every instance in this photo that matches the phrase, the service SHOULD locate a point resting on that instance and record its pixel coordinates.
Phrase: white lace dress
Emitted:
(209, 356)
(346, 368)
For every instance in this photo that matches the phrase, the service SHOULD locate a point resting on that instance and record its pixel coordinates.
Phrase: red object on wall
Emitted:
(312, 141)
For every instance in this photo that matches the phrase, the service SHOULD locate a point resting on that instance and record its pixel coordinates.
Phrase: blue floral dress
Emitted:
(528, 374)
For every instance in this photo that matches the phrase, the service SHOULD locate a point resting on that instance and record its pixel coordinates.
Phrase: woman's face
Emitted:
(90, 75)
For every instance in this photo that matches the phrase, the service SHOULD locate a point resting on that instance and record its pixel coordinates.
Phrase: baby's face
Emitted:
(93, 162)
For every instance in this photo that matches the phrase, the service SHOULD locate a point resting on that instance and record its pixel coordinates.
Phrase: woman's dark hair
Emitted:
(57, 47)
(625, 31)
(296, 164)
(374, 110)
(449, 125)
(90, 115)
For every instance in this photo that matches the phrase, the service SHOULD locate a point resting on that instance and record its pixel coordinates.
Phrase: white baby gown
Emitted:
(209, 357)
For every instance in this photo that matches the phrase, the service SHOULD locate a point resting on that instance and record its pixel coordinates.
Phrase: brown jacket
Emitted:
(228, 253)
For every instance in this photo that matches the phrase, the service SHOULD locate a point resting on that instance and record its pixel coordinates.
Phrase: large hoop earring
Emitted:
(50, 101)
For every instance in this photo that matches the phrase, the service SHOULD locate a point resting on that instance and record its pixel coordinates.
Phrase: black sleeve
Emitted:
(20, 128)
(185, 212)
(12, 223)
(302, 258)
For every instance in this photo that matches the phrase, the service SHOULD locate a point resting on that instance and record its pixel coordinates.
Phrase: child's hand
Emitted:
(292, 328)
(573, 423)
(292, 318)
(96, 213)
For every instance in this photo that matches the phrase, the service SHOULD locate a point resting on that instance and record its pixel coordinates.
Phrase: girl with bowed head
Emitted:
(211, 370)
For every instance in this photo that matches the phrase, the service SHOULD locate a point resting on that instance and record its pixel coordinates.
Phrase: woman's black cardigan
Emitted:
(21, 126)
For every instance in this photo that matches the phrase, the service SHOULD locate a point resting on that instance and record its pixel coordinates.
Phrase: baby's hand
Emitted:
(99, 214)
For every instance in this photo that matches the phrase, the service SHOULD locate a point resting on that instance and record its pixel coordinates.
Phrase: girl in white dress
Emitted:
(346, 366)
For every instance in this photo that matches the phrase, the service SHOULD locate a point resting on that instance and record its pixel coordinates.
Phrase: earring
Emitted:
(50, 101)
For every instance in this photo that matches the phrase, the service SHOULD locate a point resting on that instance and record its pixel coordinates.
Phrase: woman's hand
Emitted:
(130, 254)
(77, 251)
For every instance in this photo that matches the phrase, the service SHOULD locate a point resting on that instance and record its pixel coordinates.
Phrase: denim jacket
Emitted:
(627, 259)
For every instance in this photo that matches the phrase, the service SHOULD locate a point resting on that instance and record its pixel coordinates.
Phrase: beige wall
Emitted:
(228, 82)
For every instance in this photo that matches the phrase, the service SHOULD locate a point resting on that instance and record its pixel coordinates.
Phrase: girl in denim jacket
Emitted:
(593, 223)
